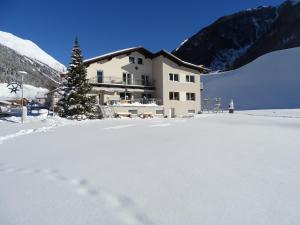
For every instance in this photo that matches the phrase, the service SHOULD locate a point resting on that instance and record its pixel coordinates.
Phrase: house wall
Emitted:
(182, 106)
(157, 69)
(119, 65)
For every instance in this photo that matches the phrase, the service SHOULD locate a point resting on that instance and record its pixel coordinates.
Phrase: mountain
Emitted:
(17, 54)
(272, 81)
(235, 40)
(29, 49)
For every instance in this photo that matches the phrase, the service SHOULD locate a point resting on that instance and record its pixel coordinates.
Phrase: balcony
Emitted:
(117, 81)
(135, 102)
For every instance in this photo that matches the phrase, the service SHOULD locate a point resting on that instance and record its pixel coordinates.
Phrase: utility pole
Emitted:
(22, 94)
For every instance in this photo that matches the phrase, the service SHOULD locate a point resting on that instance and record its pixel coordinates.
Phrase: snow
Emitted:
(30, 92)
(213, 169)
(271, 81)
(181, 44)
(134, 104)
(111, 53)
(29, 49)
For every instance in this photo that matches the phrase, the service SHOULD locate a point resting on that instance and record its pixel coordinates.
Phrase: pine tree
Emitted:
(75, 102)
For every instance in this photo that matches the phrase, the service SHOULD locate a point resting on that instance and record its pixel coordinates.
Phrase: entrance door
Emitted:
(172, 112)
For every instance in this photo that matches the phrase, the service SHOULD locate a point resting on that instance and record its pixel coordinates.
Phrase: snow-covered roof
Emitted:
(149, 54)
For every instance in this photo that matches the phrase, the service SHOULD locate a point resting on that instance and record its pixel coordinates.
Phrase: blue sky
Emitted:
(104, 26)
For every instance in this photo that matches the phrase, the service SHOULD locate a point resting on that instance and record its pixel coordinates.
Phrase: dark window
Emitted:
(193, 97)
(187, 78)
(100, 76)
(159, 112)
(174, 96)
(131, 60)
(176, 77)
(192, 79)
(190, 97)
(191, 111)
(127, 78)
(145, 80)
(140, 61)
(133, 111)
(125, 96)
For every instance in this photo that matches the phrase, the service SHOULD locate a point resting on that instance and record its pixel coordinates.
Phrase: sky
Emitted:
(105, 26)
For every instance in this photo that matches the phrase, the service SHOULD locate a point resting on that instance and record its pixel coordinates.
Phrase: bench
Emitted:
(146, 115)
(123, 114)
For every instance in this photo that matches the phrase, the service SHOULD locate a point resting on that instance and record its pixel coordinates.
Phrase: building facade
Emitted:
(137, 81)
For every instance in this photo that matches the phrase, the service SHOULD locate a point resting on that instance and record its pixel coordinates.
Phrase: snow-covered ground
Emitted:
(271, 81)
(30, 92)
(239, 169)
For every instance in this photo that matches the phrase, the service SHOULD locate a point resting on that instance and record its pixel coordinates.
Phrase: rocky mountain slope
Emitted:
(17, 54)
(235, 40)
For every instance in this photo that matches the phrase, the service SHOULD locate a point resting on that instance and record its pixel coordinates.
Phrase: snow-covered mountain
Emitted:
(235, 40)
(270, 82)
(29, 49)
(17, 54)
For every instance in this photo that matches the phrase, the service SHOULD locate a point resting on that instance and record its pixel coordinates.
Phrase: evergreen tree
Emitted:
(75, 102)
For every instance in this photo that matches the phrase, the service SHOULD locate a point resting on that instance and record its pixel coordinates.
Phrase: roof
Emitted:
(5, 102)
(120, 52)
(148, 54)
(180, 62)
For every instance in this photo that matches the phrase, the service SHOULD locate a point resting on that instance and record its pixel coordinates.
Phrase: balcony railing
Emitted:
(119, 81)
(139, 101)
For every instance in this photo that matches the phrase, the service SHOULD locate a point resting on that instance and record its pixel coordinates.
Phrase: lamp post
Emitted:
(22, 73)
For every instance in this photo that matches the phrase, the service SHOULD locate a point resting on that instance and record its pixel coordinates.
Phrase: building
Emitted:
(138, 81)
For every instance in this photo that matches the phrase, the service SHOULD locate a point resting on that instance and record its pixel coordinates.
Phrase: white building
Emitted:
(138, 81)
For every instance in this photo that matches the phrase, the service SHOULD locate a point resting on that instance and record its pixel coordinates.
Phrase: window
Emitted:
(140, 61)
(174, 96)
(159, 112)
(125, 96)
(190, 96)
(145, 80)
(100, 76)
(190, 78)
(131, 60)
(127, 78)
(133, 111)
(174, 77)
(191, 111)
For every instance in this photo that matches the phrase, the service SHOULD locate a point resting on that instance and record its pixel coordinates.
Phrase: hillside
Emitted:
(17, 54)
(271, 81)
(235, 40)
(29, 49)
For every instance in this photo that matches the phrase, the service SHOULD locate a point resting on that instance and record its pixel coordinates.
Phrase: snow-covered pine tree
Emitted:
(75, 102)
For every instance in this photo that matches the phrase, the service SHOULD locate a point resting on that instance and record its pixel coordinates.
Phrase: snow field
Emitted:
(213, 169)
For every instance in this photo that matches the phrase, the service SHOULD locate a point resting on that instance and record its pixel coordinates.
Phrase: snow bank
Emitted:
(29, 49)
(271, 81)
(30, 92)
